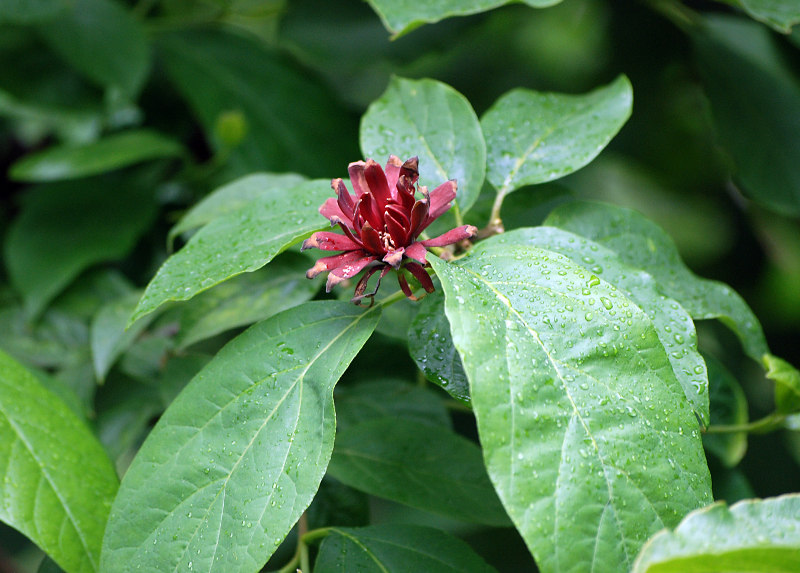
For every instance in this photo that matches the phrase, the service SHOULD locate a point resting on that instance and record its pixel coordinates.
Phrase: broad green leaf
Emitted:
(586, 433)
(109, 338)
(58, 483)
(534, 137)
(76, 161)
(388, 398)
(779, 14)
(753, 535)
(241, 241)
(292, 124)
(431, 120)
(65, 227)
(403, 16)
(787, 383)
(421, 465)
(641, 244)
(28, 11)
(232, 197)
(103, 41)
(755, 105)
(728, 407)
(238, 456)
(431, 347)
(396, 548)
(338, 504)
(673, 325)
(247, 298)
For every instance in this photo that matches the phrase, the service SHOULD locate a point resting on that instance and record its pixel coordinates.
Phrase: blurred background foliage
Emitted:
(116, 117)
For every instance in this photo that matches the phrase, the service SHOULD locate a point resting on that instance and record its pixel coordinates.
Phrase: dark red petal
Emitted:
(346, 271)
(441, 197)
(344, 199)
(328, 241)
(350, 235)
(401, 278)
(416, 251)
(328, 263)
(330, 210)
(419, 216)
(368, 210)
(356, 171)
(395, 257)
(396, 228)
(410, 170)
(399, 214)
(372, 240)
(422, 276)
(452, 236)
(378, 186)
(392, 172)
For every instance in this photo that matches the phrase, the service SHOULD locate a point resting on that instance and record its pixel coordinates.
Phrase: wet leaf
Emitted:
(787, 383)
(239, 454)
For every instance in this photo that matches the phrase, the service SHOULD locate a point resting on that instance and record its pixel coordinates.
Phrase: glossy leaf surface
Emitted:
(239, 454)
(779, 14)
(586, 433)
(534, 137)
(242, 241)
(431, 120)
(640, 243)
(393, 548)
(57, 482)
(787, 383)
(753, 535)
(420, 465)
(112, 152)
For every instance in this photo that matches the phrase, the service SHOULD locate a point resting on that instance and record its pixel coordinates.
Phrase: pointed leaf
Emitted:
(239, 454)
(534, 137)
(586, 433)
(57, 482)
(420, 465)
(102, 40)
(232, 197)
(779, 14)
(241, 241)
(643, 245)
(431, 347)
(392, 548)
(431, 120)
(753, 535)
(787, 383)
(111, 152)
(673, 324)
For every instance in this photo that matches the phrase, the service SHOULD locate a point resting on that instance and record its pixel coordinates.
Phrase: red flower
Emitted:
(381, 224)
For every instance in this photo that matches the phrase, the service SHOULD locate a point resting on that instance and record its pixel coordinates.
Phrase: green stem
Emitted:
(766, 424)
(683, 17)
(495, 225)
(300, 556)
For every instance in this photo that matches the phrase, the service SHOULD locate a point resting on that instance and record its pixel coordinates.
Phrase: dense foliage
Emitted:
(586, 361)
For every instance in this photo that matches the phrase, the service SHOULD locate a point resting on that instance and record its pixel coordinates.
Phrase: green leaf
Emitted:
(385, 398)
(109, 338)
(395, 548)
(28, 11)
(58, 483)
(753, 535)
(641, 244)
(247, 298)
(431, 120)
(779, 14)
(292, 122)
(241, 241)
(232, 197)
(534, 137)
(103, 41)
(728, 407)
(755, 105)
(586, 433)
(63, 228)
(431, 347)
(403, 16)
(787, 383)
(420, 465)
(238, 456)
(673, 325)
(112, 152)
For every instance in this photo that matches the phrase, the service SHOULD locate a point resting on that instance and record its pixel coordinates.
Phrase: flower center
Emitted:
(387, 241)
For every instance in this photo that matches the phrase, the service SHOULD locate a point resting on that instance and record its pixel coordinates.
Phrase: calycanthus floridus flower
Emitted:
(381, 224)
